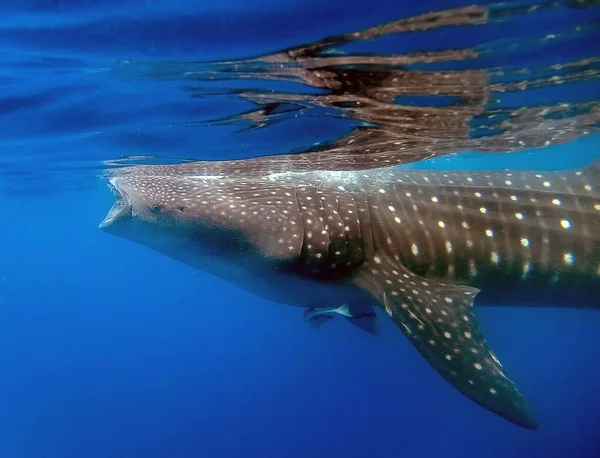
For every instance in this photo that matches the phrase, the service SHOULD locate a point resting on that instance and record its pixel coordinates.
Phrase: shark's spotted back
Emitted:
(422, 245)
(519, 225)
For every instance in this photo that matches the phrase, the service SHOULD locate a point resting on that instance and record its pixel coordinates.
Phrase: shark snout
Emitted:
(121, 209)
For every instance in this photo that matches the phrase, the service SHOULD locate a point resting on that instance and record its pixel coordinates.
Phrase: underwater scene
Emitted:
(299, 228)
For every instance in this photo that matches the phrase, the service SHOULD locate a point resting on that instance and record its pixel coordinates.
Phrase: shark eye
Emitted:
(155, 207)
(182, 209)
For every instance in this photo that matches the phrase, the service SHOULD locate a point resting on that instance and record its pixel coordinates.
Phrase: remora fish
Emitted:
(358, 314)
(421, 245)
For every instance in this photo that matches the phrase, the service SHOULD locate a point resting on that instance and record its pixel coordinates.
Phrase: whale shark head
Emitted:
(121, 210)
(233, 216)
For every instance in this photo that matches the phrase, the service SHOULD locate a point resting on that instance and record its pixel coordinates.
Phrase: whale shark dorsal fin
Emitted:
(438, 319)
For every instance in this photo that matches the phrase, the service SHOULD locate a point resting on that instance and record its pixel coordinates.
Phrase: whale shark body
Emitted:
(421, 246)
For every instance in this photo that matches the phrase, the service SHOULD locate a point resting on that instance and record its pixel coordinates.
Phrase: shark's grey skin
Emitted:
(421, 245)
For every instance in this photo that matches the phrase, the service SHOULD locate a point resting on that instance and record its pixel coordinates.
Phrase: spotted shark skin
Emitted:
(421, 245)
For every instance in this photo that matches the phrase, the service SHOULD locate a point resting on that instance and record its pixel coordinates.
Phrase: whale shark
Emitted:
(420, 247)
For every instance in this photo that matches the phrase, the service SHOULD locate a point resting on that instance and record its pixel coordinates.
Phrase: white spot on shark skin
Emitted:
(524, 242)
(388, 309)
(565, 223)
(415, 249)
(210, 177)
(441, 224)
(496, 360)
(472, 268)
(568, 258)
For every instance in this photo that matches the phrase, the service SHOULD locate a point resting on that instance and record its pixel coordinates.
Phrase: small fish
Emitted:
(420, 245)
(316, 320)
(357, 314)
(316, 317)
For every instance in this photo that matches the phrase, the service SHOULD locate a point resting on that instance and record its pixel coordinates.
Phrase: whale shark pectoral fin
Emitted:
(368, 323)
(438, 319)
(364, 317)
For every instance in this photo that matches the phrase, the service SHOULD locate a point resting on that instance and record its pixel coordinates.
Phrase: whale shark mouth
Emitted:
(121, 209)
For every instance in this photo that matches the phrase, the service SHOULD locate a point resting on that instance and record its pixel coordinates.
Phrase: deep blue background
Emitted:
(110, 350)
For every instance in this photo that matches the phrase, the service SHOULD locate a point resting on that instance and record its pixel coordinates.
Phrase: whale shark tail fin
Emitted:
(438, 319)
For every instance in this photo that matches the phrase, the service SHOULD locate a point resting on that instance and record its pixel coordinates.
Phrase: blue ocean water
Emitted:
(112, 350)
